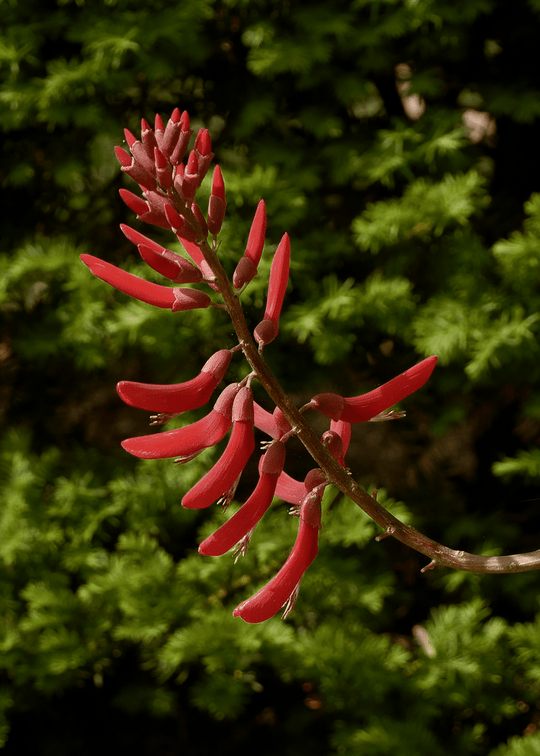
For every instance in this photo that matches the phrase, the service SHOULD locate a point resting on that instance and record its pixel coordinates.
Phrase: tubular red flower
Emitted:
(284, 586)
(179, 397)
(249, 514)
(246, 269)
(229, 466)
(359, 409)
(176, 299)
(133, 286)
(268, 328)
(191, 439)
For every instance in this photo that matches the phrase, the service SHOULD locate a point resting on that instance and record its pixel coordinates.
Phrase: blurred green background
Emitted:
(397, 142)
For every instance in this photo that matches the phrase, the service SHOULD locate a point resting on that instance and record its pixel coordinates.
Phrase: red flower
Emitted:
(179, 397)
(189, 441)
(283, 588)
(359, 409)
(249, 514)
(224, 474)
(176, 299)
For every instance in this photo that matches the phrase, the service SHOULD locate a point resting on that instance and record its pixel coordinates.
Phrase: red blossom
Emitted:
(191, 439)
(179, 397)
(224, 474)
(249, 514)
(283, 587)
(359, 409)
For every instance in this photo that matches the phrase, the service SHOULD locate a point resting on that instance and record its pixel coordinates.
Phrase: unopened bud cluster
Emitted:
(169, 176)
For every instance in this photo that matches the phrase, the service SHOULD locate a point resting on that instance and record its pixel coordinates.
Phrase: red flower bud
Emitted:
(179, 225)
(279, 276)
(359, 409)
(148, 139)
(179, 397)
(171, 134)
(240, 524)
(283, 587)
(246, 269)
(163, 170)
(139, 152)
(190, 440)
(170, 265)
(132, 168)
(159, 130)
(229, 466)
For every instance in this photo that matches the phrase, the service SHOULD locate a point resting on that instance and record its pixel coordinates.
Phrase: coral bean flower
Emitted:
(283, 587)
(359, 409)
(249, 514)
(224, 474)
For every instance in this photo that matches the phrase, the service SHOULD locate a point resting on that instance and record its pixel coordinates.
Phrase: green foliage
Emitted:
(411, 235)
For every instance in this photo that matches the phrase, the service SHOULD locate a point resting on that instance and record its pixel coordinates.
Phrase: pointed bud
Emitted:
(190, 440)
(179, 397)
(359, 409)
(139, 152)
(216, 203)
(143, 209)
(230, 465)
(283, 587)
(170, 265)
(134, 170)
(148, 139)
(247, 517)
(171, 134)
(182, 143)
(163, 170)
(159, 130)
(246, 269)
(279, 276)
(190, 179)
(179, 225)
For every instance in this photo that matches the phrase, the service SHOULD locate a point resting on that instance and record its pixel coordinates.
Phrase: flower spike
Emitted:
(229, 466)
(268, 328)
(180, 397)
(359, 409)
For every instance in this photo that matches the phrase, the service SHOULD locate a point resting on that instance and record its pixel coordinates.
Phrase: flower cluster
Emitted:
(169, 176)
